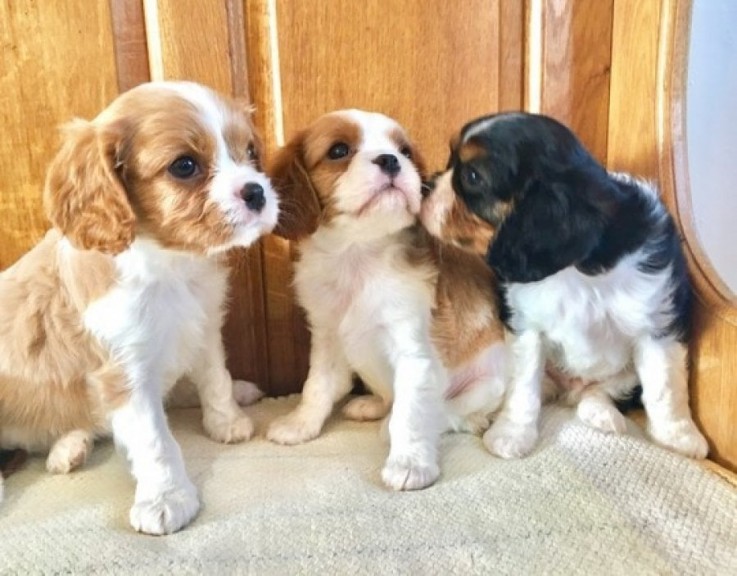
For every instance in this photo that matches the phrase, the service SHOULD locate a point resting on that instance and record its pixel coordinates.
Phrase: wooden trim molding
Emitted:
(713, 358)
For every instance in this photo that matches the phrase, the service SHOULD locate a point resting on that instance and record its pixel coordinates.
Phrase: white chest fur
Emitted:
(164, 308)
(363, 295)
(589, 323)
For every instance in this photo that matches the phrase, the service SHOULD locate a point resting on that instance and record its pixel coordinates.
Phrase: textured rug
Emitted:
(582, 503)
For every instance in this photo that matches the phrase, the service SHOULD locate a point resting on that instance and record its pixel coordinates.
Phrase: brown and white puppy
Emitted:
(416, 322)
(126, 294)
(592, 277)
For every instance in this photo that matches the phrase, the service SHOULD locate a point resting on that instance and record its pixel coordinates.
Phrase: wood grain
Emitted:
(203, 42)
(57, 63)
(129, 38)
(713, 362)
(576, 61)
(287, 335)
(633, 133)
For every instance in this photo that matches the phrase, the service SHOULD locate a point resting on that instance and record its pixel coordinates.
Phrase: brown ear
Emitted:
(299, 206)
(84, 197)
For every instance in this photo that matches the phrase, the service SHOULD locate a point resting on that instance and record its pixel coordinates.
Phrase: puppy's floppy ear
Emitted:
(299, 206)
(554, 225)
(84, 197)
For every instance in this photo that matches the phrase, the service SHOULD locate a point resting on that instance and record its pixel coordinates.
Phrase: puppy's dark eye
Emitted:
(338, 150)
(406, 151)
(184, 167)
(470, 177)
(252, 153)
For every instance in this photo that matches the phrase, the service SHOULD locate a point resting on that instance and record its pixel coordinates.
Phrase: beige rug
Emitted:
(583, 503)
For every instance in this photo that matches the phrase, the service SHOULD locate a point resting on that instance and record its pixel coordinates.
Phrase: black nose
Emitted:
(388, 164)
(253, 196)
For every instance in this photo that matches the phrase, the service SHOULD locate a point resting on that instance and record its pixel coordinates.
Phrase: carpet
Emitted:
(582, 503)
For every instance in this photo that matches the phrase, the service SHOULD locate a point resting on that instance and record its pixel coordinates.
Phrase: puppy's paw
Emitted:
(475, 423)
(601, 416)
(682, 437)
(364, 408)
(408, 473)
(510, 440)
(294, 428)
(69, 452)
(228, 430)
(246, 393)
(165, 512)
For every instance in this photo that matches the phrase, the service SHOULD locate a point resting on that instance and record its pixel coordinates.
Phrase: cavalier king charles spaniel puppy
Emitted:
(592, 278)
(415, 321)
(126, 294)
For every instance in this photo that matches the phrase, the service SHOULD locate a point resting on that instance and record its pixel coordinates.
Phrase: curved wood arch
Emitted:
(714, 345)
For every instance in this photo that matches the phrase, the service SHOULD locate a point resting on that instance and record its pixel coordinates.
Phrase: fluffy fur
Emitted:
(417, 323)
(126, 294)
(591, 274)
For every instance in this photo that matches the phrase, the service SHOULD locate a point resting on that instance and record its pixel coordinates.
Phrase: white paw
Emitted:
(166, 512)
(366, 408)
(228, 430)
(293, 428)
(509, 440)
(604, 417)
(69, 452)
(246, 393)
(407, 473)
(682, 437)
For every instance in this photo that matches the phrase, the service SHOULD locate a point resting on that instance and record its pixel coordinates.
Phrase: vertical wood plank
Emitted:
(633, 134)
(511, 89)
(576, 46)
(204, 42)
(57, 62)
(129, 39)
(287, 335)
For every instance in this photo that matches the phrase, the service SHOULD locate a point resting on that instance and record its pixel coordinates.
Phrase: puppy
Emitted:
(126, 294)
(591, 274)
(416, 323)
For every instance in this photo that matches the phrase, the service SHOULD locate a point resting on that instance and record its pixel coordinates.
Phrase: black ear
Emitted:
(554, 225)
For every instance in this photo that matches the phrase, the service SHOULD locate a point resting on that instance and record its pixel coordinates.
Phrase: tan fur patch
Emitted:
(466, 229)
(48, 360)
(305, 177)
(465, 317)
(470, 151)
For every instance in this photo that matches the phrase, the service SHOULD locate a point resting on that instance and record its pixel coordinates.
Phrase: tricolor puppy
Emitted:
(591, 272)
(126, 294)
(417, 323)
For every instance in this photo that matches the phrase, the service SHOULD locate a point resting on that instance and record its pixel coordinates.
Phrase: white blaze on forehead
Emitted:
(376, 129)
(484, 125)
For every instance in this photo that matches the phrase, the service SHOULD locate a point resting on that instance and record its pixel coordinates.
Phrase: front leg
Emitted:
(514, 433)
(222, 418)
(416, 421)
(661, 365)
(165, 500)
(328, 381)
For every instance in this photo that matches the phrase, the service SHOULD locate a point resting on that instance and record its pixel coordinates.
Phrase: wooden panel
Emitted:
(57, 62)
(203, 42)
(129, 37)
(713, 361)
(432, 65)
(576, 57)
(632, 115)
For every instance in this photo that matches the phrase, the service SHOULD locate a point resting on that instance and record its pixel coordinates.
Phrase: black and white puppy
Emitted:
(593, 280)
